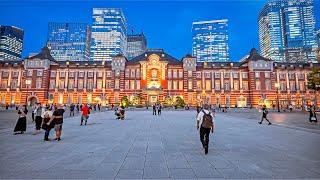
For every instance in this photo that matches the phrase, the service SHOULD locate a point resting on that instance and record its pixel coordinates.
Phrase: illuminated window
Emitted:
(180, 74)
(190, 85)
(80, 84)
(60, 100)
(138, 84)
(199, 87)
(116, 84)
(52, 84)
(268, 85)
(236, 85)
(175, 85)
(61, 84)
(132, 84)
(180, 85)
(283, 86)
(99, 84)
(227, 86)
(70, 84)
(38, 83)
(267, 74)
(189, 73)
(258, 85)
(175, 73)
(257, 74)
(217, 85)
(169, 73)
(169, 85)
(245, 85)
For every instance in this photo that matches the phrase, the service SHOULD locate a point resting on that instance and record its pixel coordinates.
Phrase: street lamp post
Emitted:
(28, 82)
(278, 103)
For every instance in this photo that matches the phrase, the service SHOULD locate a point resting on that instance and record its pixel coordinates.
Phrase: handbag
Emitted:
(313, 118)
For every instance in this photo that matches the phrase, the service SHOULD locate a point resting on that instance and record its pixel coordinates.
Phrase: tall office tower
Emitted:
(109, 34)
(137, 44)
(210, 41)
(69, 41)
(287, 30)
(11, 42)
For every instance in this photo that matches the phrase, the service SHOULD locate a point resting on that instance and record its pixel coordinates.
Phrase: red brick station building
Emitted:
(155, 76)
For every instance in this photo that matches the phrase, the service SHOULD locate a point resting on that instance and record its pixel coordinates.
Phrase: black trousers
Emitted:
(159, 112)
(154, 112)
(38, 122)
(264, 117)
(204, 136)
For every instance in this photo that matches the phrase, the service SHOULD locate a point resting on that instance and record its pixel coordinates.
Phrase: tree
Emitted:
(124, 101)
(179, 102)
(168, 101)
(314, 82)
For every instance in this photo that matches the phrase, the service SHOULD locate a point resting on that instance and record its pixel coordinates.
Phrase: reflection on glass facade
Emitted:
(11, 42)
(109, 34)
(287, 30)
(69, 41)
(137, 44)
(210, 41)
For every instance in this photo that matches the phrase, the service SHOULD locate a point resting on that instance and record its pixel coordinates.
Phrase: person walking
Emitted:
(72, 109)
(47, 114)
(57, 119)
(264, 115)
(21, 125)
(78, 108)
(312, 114)
(205, 124)
(159, 109)
(38, 120)
(85, 115)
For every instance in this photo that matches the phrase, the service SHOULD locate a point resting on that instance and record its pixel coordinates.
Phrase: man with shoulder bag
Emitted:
(205, 124)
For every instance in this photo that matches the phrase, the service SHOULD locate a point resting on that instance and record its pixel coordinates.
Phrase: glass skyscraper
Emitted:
(137, 44)
(287, 31)
(11, 43)
(69, 41)
(109, 34)
(210, 41)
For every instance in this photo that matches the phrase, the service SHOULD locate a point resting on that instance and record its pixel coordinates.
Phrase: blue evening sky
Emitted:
(166, 24)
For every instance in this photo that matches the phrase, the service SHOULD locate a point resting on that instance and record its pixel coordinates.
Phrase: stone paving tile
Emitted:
(129, 174)
(182, 173)
(106, 170)
(133, 163)
(152, 172)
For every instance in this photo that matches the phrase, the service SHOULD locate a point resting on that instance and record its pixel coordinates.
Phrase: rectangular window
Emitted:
(268, 85)
(282, 75)
(208, 85)
(53, 74)
(217, 75)
(291, 75)
(71, 74)
(117, 84)
(169, 85)
(4, 83)
(133, 73)
(132, 86)
(227, 86)
(180, 85)
(90, 74)
(80, 84)
(71, 84)
(52, 84)
(199, 87)
(257, 74)
(109, 84)
(15, 74)
(217, 85)
(169, 73)
(301, 76)
(236, 85)
(207, 75)
(267, 74)
(235, 75)
(175, 73)
(14, 84)
(245, 75)
(61, 84)
(198, 75)
(175, 85)
(62, 74)
(126, 84)
(108, 73)
(138, 84)
(100, 74)
(99, 84)
(180, 74)
(301, 86)
(29, 73)
(81, 74)
(258, 85)
(39, 73)
(245, 85)
(189, 73)
(292, 86)
(138, 73)
(127, 73)
(38, 83)
(190, 86)
(283, 86)
(90, 84)
(226, 75)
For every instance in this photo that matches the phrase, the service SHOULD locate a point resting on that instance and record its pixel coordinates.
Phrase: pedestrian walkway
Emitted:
(161, 147)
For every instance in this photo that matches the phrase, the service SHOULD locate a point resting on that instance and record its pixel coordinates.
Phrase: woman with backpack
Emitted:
(205, 124)
(264, 115)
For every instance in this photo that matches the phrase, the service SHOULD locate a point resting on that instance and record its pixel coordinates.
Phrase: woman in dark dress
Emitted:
(21, 125)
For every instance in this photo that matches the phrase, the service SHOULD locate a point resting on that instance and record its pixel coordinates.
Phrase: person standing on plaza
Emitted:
(205, 124)
(47, 114)
(72, 109)
(38, 120)
(312, 114)
(85, 114)
(264, 115)
(21, 125)
(154, 110)
(57, 119)
(159, 109)
(99, 106)
(78, 108)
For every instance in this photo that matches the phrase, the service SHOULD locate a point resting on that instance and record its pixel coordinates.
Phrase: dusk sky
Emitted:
(165, 24)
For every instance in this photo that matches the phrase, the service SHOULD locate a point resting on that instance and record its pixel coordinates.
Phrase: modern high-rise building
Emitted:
(11, 42)
(109, 34)
(137, 44)
(69, 41)
(210, 41)
(287, 30)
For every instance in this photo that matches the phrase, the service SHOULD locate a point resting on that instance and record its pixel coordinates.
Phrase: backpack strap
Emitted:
(206, 113)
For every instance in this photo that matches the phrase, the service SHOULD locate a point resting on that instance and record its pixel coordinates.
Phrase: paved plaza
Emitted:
(161, 147)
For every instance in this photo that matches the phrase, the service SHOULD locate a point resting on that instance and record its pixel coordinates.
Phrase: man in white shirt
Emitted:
(205, 124)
